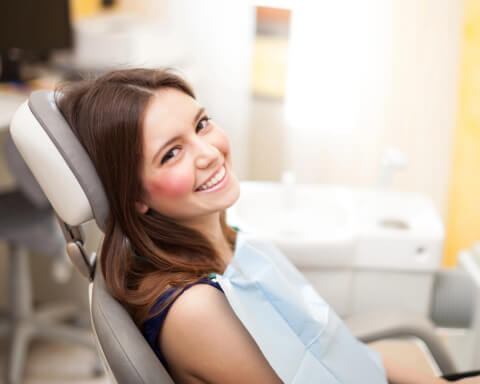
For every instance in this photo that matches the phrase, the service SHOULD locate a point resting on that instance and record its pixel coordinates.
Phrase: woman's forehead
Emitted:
(169, 113)
(170, 105)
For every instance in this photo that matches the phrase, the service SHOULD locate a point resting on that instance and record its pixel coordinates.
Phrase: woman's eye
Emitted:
(203, 123)
(171, 153)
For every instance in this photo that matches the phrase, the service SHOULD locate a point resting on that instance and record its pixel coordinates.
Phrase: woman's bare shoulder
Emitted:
(202, 338)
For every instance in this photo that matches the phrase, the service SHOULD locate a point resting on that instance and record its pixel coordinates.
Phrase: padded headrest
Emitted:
(58, 161)
(24, 179)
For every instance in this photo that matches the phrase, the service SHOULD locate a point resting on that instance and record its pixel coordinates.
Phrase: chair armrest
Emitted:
(400, 324)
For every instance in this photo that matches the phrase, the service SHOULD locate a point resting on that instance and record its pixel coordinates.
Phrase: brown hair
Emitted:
(106, 114)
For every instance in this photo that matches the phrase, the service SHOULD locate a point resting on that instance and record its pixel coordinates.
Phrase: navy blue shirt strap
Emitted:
(152, 327)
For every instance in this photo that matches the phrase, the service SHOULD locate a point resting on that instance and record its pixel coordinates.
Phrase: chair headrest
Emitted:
(58, 161)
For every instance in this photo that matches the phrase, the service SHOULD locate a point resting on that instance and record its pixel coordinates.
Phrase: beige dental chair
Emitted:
(68, 179)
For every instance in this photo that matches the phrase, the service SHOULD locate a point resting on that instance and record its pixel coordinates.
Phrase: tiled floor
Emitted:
(55, 363)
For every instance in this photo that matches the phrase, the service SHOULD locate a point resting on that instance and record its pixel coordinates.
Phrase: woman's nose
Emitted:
(207, 154)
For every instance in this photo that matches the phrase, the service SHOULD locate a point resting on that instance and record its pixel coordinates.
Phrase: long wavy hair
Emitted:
(142, 255)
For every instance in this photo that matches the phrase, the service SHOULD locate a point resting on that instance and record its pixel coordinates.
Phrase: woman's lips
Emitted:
(217, 185)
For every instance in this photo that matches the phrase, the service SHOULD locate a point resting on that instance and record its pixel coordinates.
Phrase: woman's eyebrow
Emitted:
(197, 116)
(163, 146)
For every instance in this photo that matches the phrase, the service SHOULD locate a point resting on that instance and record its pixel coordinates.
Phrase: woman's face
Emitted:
(187, 165)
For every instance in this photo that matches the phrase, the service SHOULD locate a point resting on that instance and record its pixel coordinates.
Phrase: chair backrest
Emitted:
(68, 178)
(128, 355)
(24, 179)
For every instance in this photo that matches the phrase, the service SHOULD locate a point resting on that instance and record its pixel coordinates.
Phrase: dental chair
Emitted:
(27, 224)
(71, 184)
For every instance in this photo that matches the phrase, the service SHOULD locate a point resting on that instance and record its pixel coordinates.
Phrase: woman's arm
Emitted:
(401, 374)
(203, 341)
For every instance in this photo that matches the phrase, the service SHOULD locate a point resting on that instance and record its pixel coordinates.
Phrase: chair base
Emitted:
(24, 324)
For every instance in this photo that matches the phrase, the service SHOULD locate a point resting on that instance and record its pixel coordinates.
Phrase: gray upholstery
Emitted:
(453, 299)
(24, 224)
(124, 351)
(128, 354)
(42, 104)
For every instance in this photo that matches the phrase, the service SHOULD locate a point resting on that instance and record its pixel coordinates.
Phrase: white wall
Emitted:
(219, 40)
(374, 74)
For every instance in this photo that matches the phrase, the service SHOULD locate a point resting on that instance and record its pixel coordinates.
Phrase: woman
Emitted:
(167, 171)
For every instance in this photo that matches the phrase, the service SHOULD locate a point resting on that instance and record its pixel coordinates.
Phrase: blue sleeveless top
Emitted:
(152, 327)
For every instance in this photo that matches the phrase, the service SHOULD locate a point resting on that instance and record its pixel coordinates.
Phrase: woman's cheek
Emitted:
(171, 185)
(223, 144)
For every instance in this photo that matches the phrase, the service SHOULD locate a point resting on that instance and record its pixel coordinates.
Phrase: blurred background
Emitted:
(327, 91)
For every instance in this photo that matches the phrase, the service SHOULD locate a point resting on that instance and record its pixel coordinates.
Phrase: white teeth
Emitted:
(214, 180)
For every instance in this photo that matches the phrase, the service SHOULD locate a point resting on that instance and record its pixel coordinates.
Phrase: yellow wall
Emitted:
(81, 8)
(269, 71)
(463, 224)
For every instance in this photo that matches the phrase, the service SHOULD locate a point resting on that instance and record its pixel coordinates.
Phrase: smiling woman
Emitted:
(166, 169)
(187, 167)
(155, 150)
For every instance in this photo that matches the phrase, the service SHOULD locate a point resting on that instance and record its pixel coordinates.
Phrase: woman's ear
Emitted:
(141, 207)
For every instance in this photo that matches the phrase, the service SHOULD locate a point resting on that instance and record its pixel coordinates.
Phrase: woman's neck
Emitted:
(211, 227)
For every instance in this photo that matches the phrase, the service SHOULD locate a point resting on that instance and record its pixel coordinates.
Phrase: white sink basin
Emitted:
(324, 225)
(312, 224)
(397, 230)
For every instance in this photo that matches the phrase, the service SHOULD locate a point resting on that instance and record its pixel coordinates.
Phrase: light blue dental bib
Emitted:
(296, 330)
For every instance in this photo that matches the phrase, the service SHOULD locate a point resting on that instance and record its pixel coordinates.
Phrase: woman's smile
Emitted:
(194, 160)
(216, 182)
